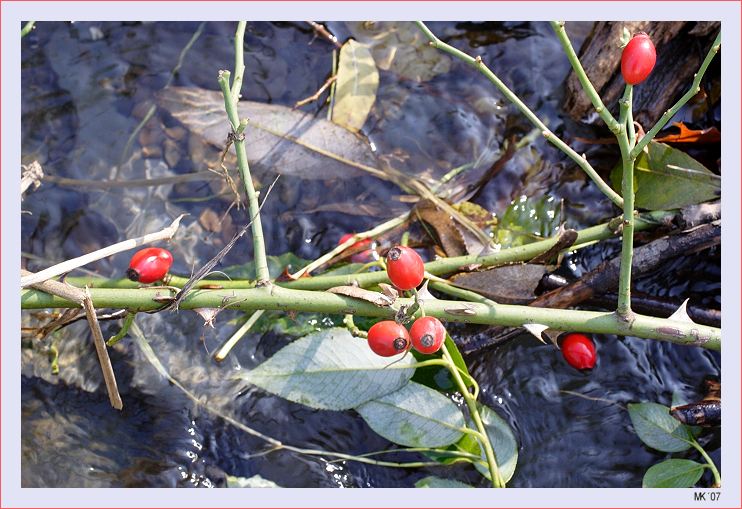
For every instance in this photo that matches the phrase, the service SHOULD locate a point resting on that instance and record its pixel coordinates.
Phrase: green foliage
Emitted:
(437, 482)
(467, 444)
(658, 429)
(667, 178)
(527, 220)
(295, 325)
(415, 416)
(330, 369)
(673, 473)
(276, 266)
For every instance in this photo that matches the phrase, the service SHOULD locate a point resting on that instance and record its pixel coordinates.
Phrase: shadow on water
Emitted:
(87, 85)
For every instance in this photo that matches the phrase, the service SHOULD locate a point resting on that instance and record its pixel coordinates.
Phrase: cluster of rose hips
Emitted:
(406, 271)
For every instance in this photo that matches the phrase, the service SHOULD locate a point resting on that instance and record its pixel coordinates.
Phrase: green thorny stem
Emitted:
(237, 136)
(471, 402)
(627, 190)
(612, 123)
(645, 221)
(526, 111)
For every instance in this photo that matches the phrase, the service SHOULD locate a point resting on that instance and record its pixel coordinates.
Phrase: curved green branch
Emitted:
(525, 110)
(612, 123)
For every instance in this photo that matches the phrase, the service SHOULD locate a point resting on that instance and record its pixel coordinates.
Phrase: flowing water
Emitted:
(86, 87)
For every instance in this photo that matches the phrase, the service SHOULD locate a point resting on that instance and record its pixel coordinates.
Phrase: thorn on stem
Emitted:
(546, 133)
(478, 60)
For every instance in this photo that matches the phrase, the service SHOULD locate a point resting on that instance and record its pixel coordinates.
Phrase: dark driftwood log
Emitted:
(681, 47)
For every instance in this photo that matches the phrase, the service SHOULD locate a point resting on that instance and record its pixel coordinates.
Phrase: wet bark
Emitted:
(681, 47)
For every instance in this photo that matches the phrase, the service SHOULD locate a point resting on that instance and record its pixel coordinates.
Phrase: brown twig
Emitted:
(324, 33)
(83, 298)
(329, 81)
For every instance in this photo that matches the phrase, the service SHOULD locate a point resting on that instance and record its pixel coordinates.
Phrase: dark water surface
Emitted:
(86, 87)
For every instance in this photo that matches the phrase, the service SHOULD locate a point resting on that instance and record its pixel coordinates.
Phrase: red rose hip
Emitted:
(388, 338)
(638, 59)
(404, 267)
(365, 249)
(149, 265)
(427, 334)
(579, 351)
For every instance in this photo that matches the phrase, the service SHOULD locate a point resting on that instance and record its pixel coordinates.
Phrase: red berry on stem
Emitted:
(638, 59)
(149, 265)
(388, 338)
(404, 267)
(427, 334)
(365, 249)
(579, 351)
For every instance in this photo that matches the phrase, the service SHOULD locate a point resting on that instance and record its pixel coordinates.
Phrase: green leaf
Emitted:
(356, 86)
(673, 473)
(657, 428)
(295, 325)
(437, 482)
(415, 416)
(458, 360)
(332, 370)
(250, 482)
(503, 443)
(667, 178)
(527, 220)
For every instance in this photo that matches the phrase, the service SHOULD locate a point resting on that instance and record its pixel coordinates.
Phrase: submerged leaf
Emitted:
(278, 139)
(667, 178)
(330, 369)
(415, 416)
(527, 220)
(356, 85)
(400, 47)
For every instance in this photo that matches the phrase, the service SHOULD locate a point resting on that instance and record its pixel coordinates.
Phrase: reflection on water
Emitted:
(86, 87)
